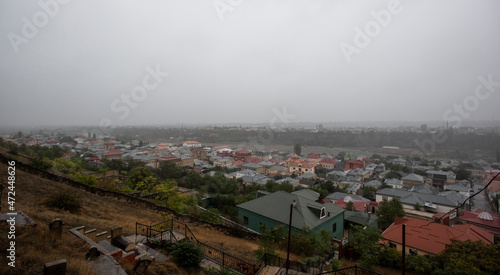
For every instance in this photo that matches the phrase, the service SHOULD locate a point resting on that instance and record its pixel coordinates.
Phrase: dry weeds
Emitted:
(103, 213)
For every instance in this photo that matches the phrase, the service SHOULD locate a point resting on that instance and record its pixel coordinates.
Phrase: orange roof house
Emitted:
(300, 166)
(425, 237)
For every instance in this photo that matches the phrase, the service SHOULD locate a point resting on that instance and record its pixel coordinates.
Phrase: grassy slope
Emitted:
(34, 246)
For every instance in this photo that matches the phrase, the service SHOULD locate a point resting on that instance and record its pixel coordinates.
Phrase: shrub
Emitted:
(187, 255)
(41, 163)
(64, 201)
(212, 215)
(334, 264)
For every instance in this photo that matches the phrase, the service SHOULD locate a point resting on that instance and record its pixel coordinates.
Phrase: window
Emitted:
(413, 252)
(334, 227)
(392, 245)
(322, 214)
(245, 220)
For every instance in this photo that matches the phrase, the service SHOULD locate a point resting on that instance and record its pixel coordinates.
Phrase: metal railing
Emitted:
(157, 232)
(353, 270)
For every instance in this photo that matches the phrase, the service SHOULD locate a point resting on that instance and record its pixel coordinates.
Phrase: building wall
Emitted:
(254, 221)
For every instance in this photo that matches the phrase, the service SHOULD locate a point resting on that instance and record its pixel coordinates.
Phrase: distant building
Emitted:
(440, 178)
(191, 144)
(412, 180)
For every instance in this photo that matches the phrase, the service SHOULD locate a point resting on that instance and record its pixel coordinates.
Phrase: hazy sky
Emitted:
(90, 62)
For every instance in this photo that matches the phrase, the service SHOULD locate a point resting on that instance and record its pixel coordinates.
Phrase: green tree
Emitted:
(365, 242)
(137, 175)
(271, 240)
(392, 175)
(169, 170)
(388, 210)
(187, 255)
(115, 164)
(417, 207)
(146, 184)
(462, 174)
(468, 257)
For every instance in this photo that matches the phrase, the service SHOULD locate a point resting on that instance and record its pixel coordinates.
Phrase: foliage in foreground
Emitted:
(187, 255)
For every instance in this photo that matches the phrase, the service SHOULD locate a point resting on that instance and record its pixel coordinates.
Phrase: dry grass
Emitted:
(34, 248)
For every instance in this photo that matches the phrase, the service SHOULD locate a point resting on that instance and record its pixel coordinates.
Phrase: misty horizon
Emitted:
(249, 62)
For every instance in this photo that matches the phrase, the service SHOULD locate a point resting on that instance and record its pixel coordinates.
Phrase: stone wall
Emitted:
(227, 227)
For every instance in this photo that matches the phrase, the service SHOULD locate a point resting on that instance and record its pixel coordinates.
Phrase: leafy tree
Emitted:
(41, 163)
(271, 240)
(137, 175)
(63, 165)
(169, 170)
(390, 257)
(388, 210)
(132, 163)
(146, 184)
(462, 174)
(468, 257)
(85, 179)
(417, 207)
(115, 164)
(365, 242)
(212, 215)
(187, 255)
(350, 206)
(369, 192)
(421, 264)
(194, 180)
(392, 175)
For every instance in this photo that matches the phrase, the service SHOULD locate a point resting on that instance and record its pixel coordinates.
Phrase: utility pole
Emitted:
(403, 265)
(292, 205)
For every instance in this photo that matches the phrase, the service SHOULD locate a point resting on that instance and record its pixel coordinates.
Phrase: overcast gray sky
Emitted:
(76, 63)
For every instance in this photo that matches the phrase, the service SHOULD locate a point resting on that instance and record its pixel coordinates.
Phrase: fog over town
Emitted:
(169, 62)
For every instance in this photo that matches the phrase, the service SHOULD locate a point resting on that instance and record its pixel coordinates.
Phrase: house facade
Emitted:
(274, 209)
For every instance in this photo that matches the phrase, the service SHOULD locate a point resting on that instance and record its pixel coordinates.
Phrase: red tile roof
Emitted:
(113, 152)
(490, 226)
(328, 161)
(432, 237)
(313, 156)
(358, 205)
(253, 160)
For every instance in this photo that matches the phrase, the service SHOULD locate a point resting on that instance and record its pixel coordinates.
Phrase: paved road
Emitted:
(480, 201)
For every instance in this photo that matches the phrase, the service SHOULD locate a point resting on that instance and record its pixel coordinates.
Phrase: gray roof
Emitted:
(393, 182)
(307, 176)
(448, 174)
(251, 165)
(408, 197)
(374, 183)
(288, 179)
(276, 206)
(360, 217)
(413, 177)
(339, 195)
(354, 187)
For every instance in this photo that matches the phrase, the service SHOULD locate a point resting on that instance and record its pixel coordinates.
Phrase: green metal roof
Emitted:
(276, 206)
